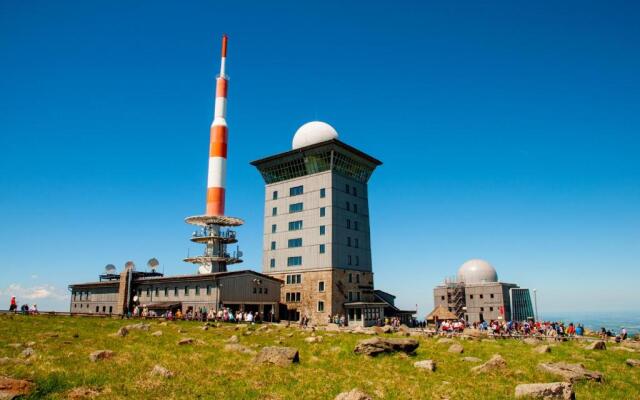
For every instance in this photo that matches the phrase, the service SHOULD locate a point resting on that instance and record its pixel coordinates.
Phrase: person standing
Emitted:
(13, 306)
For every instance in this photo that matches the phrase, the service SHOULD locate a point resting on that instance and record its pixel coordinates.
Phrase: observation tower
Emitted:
(215, 229)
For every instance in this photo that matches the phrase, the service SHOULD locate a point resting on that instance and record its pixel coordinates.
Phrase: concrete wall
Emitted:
(485, 299)
(95, 300)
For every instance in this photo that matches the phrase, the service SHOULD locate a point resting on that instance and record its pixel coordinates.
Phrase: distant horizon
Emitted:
(507, 132)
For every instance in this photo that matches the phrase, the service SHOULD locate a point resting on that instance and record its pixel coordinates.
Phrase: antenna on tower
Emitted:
(153, 264)
(110, 269)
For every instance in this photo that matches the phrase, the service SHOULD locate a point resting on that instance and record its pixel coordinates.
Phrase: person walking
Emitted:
(13, 306)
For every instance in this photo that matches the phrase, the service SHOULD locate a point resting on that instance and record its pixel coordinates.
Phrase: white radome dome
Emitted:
(477, 271)
(313, 132)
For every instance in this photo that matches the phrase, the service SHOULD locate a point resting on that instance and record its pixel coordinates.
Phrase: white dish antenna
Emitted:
(110, 269)
(204, 269)
(130, 265)
(153, 264)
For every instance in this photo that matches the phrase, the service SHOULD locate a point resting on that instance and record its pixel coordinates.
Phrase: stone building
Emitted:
(238, 290)
(476, 295)
(316, 228)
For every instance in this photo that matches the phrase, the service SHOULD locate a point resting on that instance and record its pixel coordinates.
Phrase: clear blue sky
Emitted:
(509, 131)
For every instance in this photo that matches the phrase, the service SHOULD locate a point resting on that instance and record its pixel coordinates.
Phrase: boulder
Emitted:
(403, 328)
(456, 348)
(570, 372)
(122, 332)
(471, 359)
(632, 362)
(494, 363)
(377, 345)
(554, 390)
(354, 394)
(159, 370)
(473, 334)
(358, 329)
(531, 341)
(157, 333)
(100, 355)
(281, 356)
(542, 349)
(597, 345)
(445, 341)
(386, 329)
(233, 339)
(185, 341)
(139, 326)
(205, 327)
(313, 339)
(11, 388)
(428, 365)
(238, 348)
(28, 352)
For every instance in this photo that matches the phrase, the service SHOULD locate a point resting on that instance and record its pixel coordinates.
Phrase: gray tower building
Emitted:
(316, 227)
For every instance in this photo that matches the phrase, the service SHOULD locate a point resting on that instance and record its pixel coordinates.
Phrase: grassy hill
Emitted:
(204, 369)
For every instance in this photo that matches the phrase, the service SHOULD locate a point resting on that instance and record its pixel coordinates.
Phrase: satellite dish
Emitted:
(110, 269)
(153, 264)
(130, 265)
(204, 269)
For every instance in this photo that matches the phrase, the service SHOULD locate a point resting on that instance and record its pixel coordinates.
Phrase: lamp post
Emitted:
(535, 303)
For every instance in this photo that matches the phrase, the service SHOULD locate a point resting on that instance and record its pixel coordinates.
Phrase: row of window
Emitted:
(294, 279)
(292, 297)
(491, 295)
(104, 308)
(293, 191)
(298, 207)
(296, 261)
(355, 224)
(352, 207)
(356, 242)
(353, 190)
(297, 225)
(357, 277)
(353, 260)
(354, 296)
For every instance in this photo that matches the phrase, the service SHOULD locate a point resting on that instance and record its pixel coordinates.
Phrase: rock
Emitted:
(238, 348)
(139, 326)
(185, 341)
(290, 334)
(354, 394)
(456, 348)
(554, 390)
(428, 365)
(28, 352)
(570, 372)
(445, 341)
(164, 323)
(161, 371)
(30, 344)
(205, 327)
(313, 339)
(473, 334)
(122, 332)
(531, 341)
(631, 344)
(471, 359)
(82, 393)
(157, 333)
(100, 355)
(233, 339)
(494, 363)
(632, 362)
(358, 329)
(180, 330)
(542, 349)
(11, 388)
(377, 345)
(281, 356)
(403, 328)
(597, 345)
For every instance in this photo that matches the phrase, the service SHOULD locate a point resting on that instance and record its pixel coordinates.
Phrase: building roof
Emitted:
(441, 314)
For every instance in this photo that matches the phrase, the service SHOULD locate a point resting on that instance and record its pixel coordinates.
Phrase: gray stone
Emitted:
(542, 349)
(597, 345)
(471, 359)
(122, 332)
(428, 365)
(354, 394)
(233, 339)
(162, 371)
(28, 352)
(185, 341)
(100, 355)
(157, 333)
(494, 363)
(377, 345)
(456, 348)
(11, 388)
(139, 326)
(313, 339)
(205, 327)
(554, 390)
(570, 372)
(281, 356)
(632, 362)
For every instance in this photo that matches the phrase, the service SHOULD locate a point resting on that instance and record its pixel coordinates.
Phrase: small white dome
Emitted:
(477, 271)
(313, 132)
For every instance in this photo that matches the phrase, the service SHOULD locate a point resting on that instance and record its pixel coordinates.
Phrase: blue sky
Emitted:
(509, 131)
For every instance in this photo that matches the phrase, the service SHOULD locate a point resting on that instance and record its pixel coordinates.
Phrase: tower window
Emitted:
(321, 306)
(175, 291)
(208, 289)
(349, 259)
(350, 277)
(273, 245)
(353, 191)
(166, 292)
(197, 290)
(357, 278)
(297, 242)
(273, 228)
(348, 206)
(357, 260)
(355, 208)
(322, 211)
(274, 211)
(186, 290)
(294, 261)
(295, 225)
(275, 195)
(323, 193)
(272, 263)
(346, 188)
(348, 223)
(321, 286)
(355, 225)
(322, 229)
(295, 207)
(296, 191)
(356, 243)
(322, 249)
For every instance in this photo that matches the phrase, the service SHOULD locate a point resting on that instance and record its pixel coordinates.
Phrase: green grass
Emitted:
(206, 371)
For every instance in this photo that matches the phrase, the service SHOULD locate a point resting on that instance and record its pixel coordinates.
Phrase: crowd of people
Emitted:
(202, 314)
(24, 309)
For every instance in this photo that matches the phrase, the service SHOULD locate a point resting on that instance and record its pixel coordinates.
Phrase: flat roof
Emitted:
(335, 142)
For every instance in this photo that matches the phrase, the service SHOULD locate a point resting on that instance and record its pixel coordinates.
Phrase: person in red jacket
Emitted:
(13, 306)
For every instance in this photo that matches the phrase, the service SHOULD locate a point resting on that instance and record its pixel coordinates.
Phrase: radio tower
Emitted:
(215, 232)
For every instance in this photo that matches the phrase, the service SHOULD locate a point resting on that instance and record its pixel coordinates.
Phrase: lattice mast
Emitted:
(215, 232)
